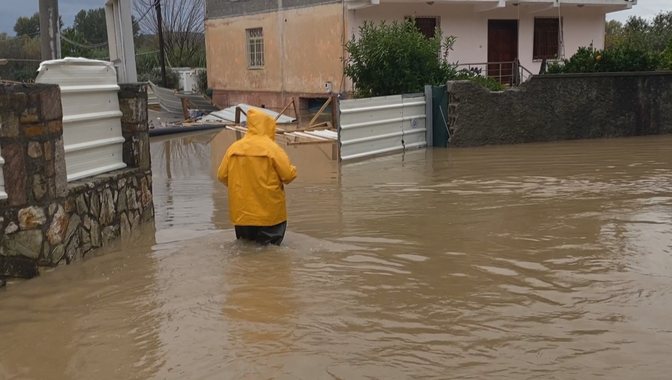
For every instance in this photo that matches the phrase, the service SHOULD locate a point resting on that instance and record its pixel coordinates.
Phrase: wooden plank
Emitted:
(325, 125)
(311, 142)
(238, 112)
(285, 109)
(185, 108)
(296, 113)
(317, 115)
(334, 111)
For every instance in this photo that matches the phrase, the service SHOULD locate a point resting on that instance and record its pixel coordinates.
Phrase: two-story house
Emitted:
(263, 52)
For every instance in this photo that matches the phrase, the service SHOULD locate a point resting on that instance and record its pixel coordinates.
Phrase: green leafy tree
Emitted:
(392, 59)
(661, 31)
(28, 26)
(93, 24)
(24, 53)
(614, 34)
(395, 58)
(666, 57)
(616, 59)
(88, 35)
(640, 34)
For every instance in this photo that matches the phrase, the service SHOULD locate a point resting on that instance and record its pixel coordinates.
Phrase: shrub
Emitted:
(590, 60)
(666, 58)
(394, 58)
(626, 59)
(584, 61)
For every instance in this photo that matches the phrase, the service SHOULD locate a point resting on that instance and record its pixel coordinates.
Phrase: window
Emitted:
(546, 37)
(426, 25)
(255, 48)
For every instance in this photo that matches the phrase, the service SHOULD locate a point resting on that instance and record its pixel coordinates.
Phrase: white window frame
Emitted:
(255, 48)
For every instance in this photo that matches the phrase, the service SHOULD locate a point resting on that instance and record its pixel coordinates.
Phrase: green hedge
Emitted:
(618, 59)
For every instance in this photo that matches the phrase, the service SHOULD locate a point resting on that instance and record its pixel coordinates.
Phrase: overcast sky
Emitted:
(10, 10)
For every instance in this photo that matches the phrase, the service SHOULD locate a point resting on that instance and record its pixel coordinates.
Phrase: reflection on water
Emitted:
(529, 261)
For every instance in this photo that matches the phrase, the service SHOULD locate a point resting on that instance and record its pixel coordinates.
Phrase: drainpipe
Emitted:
(281, 21)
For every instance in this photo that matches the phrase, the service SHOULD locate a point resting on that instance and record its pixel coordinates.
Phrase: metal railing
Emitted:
(510, 73)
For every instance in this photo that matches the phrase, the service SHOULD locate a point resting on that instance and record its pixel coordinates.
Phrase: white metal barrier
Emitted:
(374, 126)
(3, 194)
(91, 116)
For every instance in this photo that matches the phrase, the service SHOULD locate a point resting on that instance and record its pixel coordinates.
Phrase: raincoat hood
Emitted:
(260, 124)
(256, 169)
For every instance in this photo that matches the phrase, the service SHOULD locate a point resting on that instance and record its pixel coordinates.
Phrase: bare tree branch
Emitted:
(183, 28)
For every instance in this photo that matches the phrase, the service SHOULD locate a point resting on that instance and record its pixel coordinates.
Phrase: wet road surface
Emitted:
(532, 261)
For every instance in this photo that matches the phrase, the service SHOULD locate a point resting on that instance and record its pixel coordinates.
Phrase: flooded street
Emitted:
(534, 261)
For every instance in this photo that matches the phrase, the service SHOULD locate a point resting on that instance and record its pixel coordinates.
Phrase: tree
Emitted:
(640, 34)
(614, 34)
(395, 58)
(88, 35)
(24, 53)
(661, 31)
(28, 26)
(392, 58)
(183, 29)
(93, 24)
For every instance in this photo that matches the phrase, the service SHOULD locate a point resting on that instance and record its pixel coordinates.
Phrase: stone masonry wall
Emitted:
(562, 107)
(45, 221)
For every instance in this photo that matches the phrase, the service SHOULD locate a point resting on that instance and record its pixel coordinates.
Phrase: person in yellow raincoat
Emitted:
(255, 169)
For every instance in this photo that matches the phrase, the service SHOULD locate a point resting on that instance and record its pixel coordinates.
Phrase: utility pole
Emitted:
(50, 35)
(162, 53)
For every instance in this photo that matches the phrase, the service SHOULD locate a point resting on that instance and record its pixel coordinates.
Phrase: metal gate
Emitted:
(387, 124)
(91, 117)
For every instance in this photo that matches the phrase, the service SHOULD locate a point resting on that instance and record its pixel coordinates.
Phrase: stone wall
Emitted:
(46, 221)
(562, 107)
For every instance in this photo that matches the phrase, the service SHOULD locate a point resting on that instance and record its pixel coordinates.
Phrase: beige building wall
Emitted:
(303, 52)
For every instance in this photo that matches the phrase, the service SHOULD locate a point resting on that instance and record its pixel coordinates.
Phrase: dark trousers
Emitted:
(262, 235)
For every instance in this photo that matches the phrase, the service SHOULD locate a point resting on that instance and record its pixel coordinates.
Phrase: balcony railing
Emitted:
(507, 73)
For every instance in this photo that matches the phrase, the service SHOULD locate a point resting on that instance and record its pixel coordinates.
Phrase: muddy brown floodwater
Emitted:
(543, 261)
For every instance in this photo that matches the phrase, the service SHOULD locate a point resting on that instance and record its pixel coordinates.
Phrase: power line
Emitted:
(21, 60)
(152, 5)
(92, 46)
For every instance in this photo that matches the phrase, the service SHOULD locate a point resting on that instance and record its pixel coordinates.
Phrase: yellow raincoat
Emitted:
(255, 169)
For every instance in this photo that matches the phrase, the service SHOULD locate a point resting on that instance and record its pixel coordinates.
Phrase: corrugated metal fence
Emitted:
(91, 117)
(3, 194)
(374, 126)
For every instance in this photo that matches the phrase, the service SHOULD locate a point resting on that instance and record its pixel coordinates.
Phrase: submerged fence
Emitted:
(387, 124)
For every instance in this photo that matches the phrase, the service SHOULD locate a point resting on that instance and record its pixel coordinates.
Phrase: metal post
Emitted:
(429, 117)
(162, 53)
(50, 36)
(120, 39)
